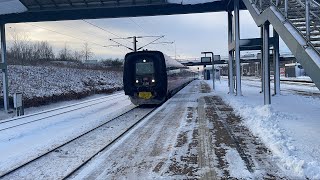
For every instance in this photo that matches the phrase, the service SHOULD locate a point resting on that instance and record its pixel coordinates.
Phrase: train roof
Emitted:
(171, 63)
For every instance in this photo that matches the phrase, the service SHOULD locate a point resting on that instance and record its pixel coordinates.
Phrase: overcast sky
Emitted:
(191, 33)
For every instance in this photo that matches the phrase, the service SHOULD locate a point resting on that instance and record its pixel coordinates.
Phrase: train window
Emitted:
(144, 68)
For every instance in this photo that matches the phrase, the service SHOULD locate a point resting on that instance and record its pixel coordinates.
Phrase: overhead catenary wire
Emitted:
(144, 30)
(67, 35)
(103, 29)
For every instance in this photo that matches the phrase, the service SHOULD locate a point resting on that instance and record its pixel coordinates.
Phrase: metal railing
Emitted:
(304, 15)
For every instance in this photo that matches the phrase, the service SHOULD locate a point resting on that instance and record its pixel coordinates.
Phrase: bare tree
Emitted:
(65, 54)
(87, 53)
(21, 47)
(77, 56)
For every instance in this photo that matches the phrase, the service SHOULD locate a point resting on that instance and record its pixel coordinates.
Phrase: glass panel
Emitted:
(144, 68)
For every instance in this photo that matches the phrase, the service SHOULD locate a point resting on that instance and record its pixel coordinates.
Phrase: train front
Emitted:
(144, 77)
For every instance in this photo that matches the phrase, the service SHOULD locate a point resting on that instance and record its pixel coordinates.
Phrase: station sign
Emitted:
(216, 58)
(205, 59)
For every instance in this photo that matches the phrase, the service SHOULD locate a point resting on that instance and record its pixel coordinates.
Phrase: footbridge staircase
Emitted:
(298, 24)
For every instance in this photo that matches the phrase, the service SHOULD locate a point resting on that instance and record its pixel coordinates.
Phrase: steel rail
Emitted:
(64, 112)
(79, 136)
(109, 144)
(54, 109)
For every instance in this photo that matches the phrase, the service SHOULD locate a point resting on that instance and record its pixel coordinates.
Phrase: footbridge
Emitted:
(298, 24)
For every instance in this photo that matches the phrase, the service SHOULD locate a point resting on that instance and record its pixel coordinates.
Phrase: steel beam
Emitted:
(266, 64)
(237, 47)
(4, 68)
(96, 12)
(276, 62)
(250, 44)
(230, 61)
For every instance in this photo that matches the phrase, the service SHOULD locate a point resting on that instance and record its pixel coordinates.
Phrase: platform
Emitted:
(193, 135)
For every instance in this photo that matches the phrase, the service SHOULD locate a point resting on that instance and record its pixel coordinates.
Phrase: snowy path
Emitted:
(23, 143)
(190, 136)
(289, 127)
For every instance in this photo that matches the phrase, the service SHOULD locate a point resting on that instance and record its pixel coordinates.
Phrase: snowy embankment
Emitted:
(289, 127)
(45, 84)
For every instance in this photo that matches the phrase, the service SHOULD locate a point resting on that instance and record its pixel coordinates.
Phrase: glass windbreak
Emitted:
(144, 68)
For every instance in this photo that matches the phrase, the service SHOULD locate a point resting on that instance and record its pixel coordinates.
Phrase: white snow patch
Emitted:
(11, 6)
(236, 166)
(289, 127)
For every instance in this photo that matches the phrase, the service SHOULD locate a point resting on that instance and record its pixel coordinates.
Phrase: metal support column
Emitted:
(230, 62)
(213, 73)
(237, 47)
(4, 70)
(261, 62)
(276, 62)
(307, 13)
(134, 43)
(266, 63)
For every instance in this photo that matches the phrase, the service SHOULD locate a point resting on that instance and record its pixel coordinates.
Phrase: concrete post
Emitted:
(4, 70)
(266, 64)
(230, 62)
(276, 62)
(237, 47)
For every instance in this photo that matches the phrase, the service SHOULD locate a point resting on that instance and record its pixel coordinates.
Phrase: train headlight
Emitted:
(137, 81)
(153, 80)
(144, 60)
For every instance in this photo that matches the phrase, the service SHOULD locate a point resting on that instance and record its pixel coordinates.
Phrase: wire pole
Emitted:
(135, 43)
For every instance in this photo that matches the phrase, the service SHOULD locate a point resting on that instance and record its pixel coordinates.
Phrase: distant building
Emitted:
(90, 62)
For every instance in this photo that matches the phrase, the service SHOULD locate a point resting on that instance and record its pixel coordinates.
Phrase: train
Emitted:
(151, 77)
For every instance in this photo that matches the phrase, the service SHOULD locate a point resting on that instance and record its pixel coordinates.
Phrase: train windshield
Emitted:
(144, 68)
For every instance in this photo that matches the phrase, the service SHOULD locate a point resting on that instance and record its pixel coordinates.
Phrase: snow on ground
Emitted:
(32, 110)
(11, 6)
(289, 127)
(236, 166)
(190, 1)
(46, 84)
(20, 144)
(304, 78)
(42, 81)
(150, 150)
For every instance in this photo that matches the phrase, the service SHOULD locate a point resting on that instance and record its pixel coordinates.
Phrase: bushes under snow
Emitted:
(45, 84)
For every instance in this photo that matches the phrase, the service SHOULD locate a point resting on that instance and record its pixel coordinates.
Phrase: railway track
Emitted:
(295, 87)
(27, 119)
(99, 135)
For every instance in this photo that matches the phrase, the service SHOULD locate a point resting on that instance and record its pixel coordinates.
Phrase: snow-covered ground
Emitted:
(44, 84)
(21, 144)
(181, 139)
(289, 127)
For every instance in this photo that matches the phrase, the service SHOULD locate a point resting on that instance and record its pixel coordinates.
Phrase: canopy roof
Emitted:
(15, 11)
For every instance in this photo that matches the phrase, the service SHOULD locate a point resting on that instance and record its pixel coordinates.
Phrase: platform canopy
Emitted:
(15, 11)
